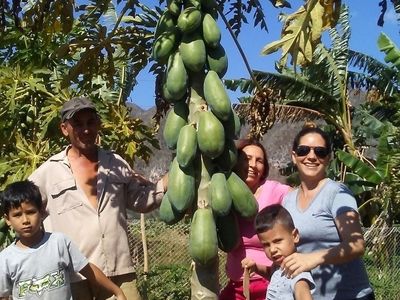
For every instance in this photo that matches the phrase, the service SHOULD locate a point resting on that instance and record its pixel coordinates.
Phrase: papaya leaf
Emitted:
(280, 3)
(302, 31)
(67, 16)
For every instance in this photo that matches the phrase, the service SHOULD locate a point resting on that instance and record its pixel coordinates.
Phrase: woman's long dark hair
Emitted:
(241, 143)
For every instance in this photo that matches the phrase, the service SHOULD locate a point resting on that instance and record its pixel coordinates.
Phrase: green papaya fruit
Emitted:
(203, 242)
(167, 96)
(194, 3)
(210, 135)
(167, 213)
(165, 45)
(176, 79)
(166, 22)
(193, 52)
(217, 60)
(181, 186)
(186, 147)
(227, 232)
(243, 199)
(216, 96)
(174, 7)
(211, 32)
(189, 20)
(177, 118)
(219, 195)
(232, 126)
(228, 158)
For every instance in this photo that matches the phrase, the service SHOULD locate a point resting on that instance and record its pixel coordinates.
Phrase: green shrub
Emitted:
(168, 282)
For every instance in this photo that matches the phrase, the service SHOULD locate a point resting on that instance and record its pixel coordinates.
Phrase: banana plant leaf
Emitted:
(359, 167)
(386, 45)
(357, 184)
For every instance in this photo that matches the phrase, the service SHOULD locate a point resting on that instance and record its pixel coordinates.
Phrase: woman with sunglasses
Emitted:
(325, 213)
(252, 167)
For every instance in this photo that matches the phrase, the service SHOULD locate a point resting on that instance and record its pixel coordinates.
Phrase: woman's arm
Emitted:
(352, 246)
(97, 278)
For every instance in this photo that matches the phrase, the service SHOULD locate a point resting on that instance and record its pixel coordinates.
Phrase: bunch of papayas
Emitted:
(200, 127)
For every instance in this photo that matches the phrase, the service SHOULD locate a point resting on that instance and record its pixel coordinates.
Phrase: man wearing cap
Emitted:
(87, 190)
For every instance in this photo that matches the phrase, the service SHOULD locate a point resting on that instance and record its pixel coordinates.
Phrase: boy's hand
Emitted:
(248, 263)
(97, 279)
(253, 267)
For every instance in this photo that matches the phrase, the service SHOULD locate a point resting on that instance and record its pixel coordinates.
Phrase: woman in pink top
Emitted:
(252, 167)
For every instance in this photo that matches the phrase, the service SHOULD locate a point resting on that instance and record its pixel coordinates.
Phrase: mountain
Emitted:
(161, 159)
(277, 142)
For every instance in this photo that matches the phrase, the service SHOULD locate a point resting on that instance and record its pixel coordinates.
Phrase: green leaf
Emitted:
(357, 184)
(386, 45)
(359, 167)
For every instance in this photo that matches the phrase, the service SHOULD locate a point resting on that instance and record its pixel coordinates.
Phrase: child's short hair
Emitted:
(19, 192)
(271, 215)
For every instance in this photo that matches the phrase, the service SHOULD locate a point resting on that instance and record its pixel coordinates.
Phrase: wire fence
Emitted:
(168, 262)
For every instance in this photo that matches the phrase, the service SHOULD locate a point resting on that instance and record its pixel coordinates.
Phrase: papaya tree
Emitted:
(51, 51)
(200, 129)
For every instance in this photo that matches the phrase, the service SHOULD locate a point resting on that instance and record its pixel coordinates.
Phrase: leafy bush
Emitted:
(168, 282)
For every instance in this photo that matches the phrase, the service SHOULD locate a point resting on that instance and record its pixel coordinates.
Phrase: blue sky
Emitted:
(363, 18)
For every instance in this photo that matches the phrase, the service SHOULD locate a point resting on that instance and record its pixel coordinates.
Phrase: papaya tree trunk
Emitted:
(204, 279)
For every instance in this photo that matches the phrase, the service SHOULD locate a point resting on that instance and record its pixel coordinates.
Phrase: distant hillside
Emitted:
(161, 159)
(277, 142)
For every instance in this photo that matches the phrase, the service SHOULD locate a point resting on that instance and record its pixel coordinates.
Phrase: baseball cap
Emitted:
(74, 105)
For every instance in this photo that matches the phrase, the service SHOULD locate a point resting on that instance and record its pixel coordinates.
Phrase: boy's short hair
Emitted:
(271, 215)
(19, 192)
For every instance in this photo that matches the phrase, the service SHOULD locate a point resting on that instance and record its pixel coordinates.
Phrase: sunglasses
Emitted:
(320, 152)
